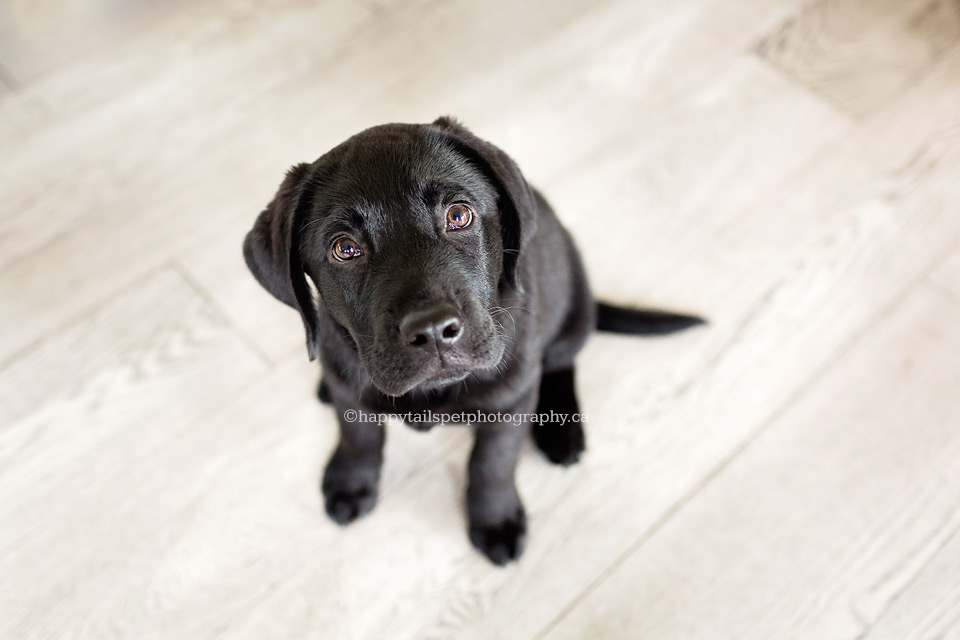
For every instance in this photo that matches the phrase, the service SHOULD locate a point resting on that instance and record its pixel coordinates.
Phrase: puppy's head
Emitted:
(410, 234)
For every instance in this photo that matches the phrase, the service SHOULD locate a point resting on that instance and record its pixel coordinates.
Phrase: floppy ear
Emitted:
(518, 209)
(272, 249)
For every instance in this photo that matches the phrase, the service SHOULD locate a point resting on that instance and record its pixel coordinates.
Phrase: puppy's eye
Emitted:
(345, 248)
(459, 216)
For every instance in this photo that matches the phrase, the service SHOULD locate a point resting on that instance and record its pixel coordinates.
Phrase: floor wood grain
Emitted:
(947, 274)
(861, 53)
(927, 607)
(786, 167)
(825, 519)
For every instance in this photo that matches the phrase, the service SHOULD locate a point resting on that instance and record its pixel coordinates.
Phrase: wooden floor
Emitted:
(790, 169)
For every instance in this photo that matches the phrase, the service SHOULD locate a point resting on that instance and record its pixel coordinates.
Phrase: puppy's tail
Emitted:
(642, 322)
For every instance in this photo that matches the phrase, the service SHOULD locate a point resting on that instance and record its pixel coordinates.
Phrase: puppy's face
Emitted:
(404, 244)
(409, 233)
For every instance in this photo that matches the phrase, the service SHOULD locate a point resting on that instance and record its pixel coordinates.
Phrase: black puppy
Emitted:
(445, 283)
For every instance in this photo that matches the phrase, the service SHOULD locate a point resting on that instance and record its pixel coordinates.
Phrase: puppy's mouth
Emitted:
(444, 378)
(432, 375)
(431, 378)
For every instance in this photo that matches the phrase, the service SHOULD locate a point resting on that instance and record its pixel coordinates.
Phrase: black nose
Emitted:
(437, 327)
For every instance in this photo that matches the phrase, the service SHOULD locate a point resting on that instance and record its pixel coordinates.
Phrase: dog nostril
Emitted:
(419, 340)
(451, 331)
(438, 326)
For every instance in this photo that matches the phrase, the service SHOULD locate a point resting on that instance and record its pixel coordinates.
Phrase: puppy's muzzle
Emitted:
(432, 330)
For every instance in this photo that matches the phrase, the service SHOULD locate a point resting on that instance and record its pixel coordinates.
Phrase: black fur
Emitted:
(642, 322)
(564, 442)
(488, 317)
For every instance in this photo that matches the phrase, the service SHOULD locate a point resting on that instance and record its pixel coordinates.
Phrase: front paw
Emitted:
(501, 542)
(349, 491)
(562, 444)
(344, 507)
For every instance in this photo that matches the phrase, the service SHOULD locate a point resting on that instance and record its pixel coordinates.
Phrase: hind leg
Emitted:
(323, 392)
(560, 436)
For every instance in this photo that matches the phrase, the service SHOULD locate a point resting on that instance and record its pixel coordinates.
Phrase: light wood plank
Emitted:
(862, 53)
(928, 607)
(947, 275)
(825, 519)
(217, 263)
(38, 37)
(670, 184)
(6, 82)
(95, 399)
(152, 357)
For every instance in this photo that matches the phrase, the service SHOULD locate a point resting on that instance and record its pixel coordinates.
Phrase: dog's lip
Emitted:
(448, 376)
(435, 378)
(444, 374)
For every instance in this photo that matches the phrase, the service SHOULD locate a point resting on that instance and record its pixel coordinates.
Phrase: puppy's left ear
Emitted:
(272, 249)
(518, 208)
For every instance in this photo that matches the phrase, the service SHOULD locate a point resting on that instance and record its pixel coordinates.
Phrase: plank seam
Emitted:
(868, 627)
(208, 298)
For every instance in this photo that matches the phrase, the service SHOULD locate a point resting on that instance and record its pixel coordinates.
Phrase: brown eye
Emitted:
(345, 248)
(459, 216)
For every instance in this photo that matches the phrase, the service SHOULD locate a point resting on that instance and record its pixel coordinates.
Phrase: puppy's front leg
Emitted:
(352, 476)
(498, 522)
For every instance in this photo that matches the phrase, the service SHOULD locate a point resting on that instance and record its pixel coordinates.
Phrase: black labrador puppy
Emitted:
(444, 285)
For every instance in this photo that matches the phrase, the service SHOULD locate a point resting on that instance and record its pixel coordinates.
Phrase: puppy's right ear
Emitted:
(272, 249)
